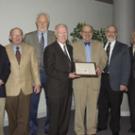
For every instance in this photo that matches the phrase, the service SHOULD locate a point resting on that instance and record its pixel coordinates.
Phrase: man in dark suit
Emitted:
(39, 40)
(4, 73)
(58, 64)
(114, 81)
(131, 91)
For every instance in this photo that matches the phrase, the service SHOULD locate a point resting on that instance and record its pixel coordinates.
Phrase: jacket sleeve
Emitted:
(126, 64)
(50, 65)
(5, 66)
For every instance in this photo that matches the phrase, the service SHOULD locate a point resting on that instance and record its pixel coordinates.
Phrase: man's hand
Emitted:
(123, 88)
(37, 89)
(1, 82)
(73, 75)
(98, 71)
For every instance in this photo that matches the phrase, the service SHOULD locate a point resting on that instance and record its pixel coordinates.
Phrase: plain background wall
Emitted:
(22, 13)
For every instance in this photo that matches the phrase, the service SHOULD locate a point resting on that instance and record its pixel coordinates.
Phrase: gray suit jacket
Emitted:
(119, 68)
(32, 39)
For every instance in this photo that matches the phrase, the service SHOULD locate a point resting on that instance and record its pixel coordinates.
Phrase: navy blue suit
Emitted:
(4, 69)
(131, 91)
(110, 95)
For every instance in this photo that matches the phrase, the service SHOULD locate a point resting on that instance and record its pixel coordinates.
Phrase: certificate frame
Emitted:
(86, 69)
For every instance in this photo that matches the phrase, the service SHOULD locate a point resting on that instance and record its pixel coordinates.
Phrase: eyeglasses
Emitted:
(87, 32)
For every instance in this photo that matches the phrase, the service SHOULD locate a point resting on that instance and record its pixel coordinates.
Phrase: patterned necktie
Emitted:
(42, 41)
(65, 52)
(18, 55)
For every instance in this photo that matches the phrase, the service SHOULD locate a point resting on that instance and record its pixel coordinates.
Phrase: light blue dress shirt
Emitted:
(88, 51)
(45, 38)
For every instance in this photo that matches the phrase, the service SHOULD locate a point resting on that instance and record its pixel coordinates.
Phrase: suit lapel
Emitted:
(82, 51)
(22, 55)
(49, 39)
(92, 51)
(36, 40)
(12, 55)
(115, 50)
(60, 51)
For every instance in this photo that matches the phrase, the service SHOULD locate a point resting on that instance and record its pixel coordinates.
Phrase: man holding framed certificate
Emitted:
(90, 59)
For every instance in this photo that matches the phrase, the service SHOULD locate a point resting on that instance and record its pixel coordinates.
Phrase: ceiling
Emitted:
(106, 1)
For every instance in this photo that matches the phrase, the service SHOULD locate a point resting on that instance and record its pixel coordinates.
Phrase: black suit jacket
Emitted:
(132, 58)
(4, 69)
(57, 67)
(119, 67)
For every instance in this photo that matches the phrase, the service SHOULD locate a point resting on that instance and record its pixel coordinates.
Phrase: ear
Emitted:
(10, 40)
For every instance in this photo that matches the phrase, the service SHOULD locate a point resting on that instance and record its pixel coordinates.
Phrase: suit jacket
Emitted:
(32, 39)
(4, 69)
(119, 67)
(98, 55)
(22, 76)
(58, 66)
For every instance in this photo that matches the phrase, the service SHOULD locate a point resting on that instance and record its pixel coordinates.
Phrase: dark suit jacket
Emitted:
(132, 59)
(57, 66)
(119, 68)
(32, 39)
(4, 69)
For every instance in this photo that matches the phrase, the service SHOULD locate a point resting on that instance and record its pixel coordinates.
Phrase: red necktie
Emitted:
(18, 55)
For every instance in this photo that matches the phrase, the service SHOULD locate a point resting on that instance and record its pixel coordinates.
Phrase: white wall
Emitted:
(22, 13)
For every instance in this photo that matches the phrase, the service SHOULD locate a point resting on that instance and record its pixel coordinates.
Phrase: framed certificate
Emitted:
(85, 69)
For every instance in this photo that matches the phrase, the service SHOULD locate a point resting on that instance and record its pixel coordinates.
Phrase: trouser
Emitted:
(86, 96)
(34, 106)
(2, 110)
(18, 113)
(109, 99)
(131, 98)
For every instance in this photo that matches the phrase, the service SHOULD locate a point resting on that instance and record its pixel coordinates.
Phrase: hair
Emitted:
(60, 25)
(87, 25)
(113, 27)
(43, 14)
(12, 30)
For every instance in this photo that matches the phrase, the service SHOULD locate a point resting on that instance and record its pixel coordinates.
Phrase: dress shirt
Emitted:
(45, 38)
(88, 52)
(111, 49)
(14, 48)
(62, 47)
(133, 49)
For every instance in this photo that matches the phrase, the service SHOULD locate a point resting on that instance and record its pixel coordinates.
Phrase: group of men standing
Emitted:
(44, 59)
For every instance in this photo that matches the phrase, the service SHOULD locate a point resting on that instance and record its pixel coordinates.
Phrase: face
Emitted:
(16, 36)
(111, 33)
(61, 34)
(42, 23)
(86, 33)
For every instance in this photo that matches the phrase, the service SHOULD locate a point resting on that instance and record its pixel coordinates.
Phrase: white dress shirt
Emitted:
(111, 49)
(62, 47)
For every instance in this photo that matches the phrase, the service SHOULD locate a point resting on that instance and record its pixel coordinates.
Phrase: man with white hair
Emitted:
(58, 65)
(39, 39)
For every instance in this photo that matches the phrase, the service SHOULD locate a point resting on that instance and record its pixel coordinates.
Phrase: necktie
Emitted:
(65, 51)
(18, 55)
(87, 43)
(108, 49)
(42, 41)
(107, 52)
